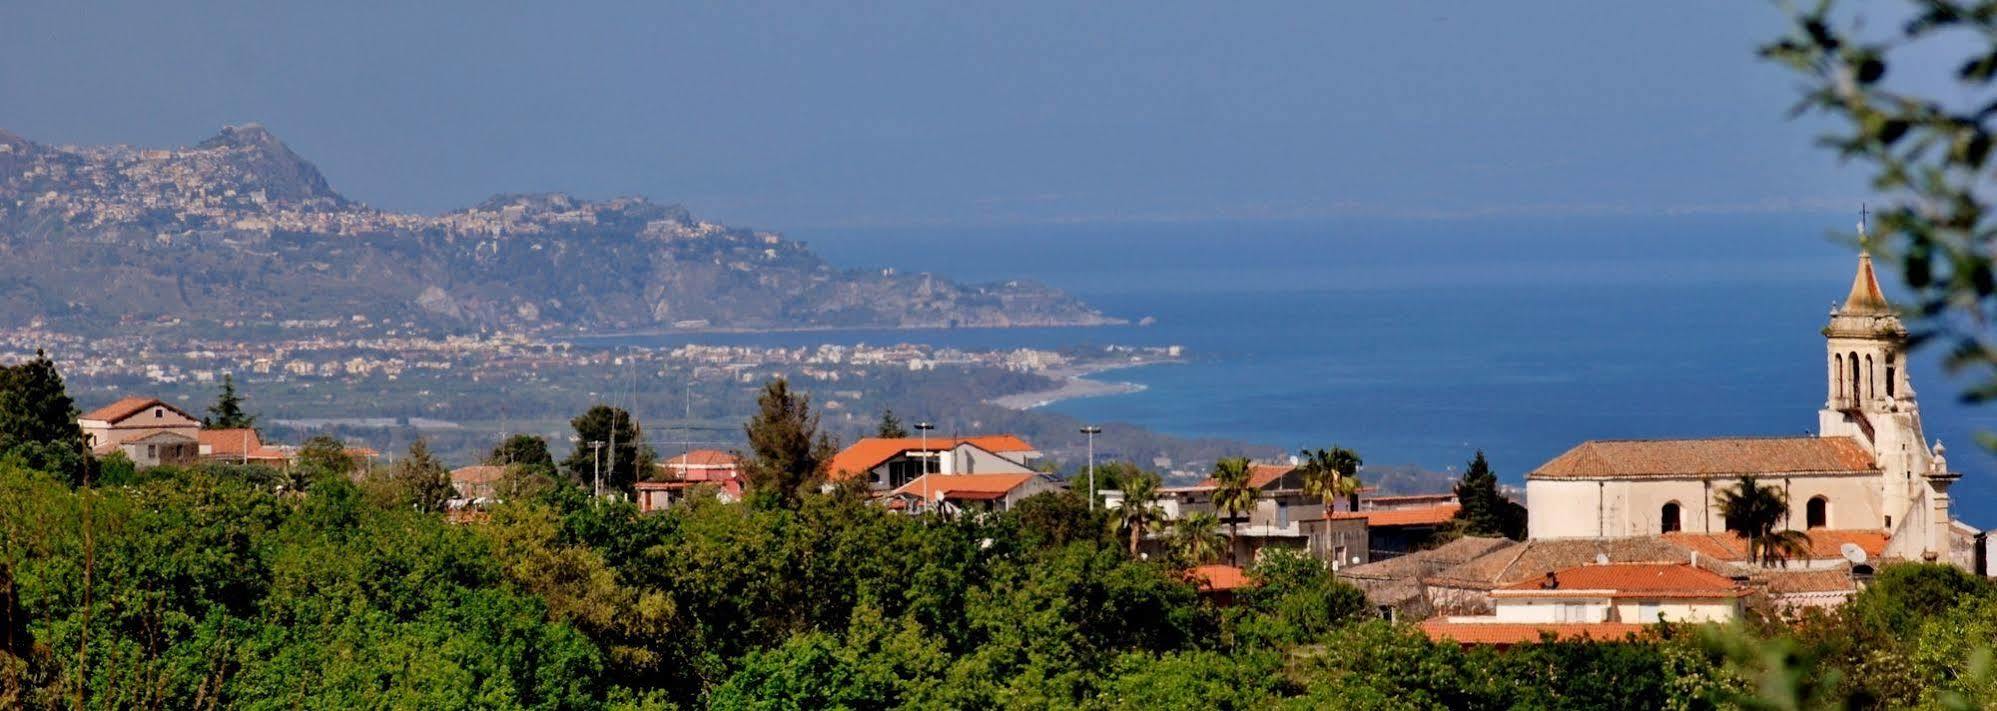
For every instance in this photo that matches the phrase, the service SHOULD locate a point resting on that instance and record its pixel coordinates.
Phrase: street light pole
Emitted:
(927, 486)
(1092, 431)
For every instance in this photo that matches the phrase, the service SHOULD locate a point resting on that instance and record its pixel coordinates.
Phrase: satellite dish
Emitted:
(1853, 553)
(1601, 559)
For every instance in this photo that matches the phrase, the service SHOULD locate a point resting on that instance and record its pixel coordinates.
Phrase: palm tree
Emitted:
(1196, 537)
(1331, 474)
(1233, 496)
(1753, 511)
(1140, 506)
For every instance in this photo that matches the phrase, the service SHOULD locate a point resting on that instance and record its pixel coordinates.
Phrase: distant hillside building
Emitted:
(148, 430)
(681, 475)
(1867, 468)
(887, 463)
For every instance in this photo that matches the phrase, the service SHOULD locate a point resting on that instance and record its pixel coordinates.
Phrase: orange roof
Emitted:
(1219, 577)
(1825, 543)
(478, 474)
(1636, 580)
(1526, 633)
(1383, 518)
(128, 406)
(1865, 297)
(244, 442)
(1259, 476)
(975, 487)
(870, 452)
(703, 458)
(1721, 457)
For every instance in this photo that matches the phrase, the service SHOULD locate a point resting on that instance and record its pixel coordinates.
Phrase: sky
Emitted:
(816, 115)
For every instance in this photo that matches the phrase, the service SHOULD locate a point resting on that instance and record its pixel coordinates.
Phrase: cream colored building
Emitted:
(1868, 467)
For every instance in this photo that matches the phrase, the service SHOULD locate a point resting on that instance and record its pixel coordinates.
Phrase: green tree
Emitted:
(522, 450)
(1233, 496)
(1332, 474)
(1754, 511)
(423, 480)
(1057, 518)
(1927, 140)
(1196, 538)
(623, 459)
(890, 426)
(323, 455)
(1139, 510)
(788, 454)
(38, 420)
(1296, 600)
(1486, 511)
(227, 412)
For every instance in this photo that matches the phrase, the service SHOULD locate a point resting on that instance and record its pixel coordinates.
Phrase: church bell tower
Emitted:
(1870, 398)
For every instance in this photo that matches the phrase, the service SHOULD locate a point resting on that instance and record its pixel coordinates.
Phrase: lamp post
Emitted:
(1092, 431)
(596, 457)
(924, 428)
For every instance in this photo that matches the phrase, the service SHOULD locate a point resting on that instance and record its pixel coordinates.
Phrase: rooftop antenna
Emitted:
(1852, 552)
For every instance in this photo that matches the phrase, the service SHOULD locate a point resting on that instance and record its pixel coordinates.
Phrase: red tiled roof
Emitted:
(126, 407)
(1637, 580)
(478, 474)
(1825, 543)
(1526, 633)
(1716, 457)
(1386, 518)
(234, 443)
(703, 458)
(1219, 577)
(870, 452)
(1260, 476)
(971, 487)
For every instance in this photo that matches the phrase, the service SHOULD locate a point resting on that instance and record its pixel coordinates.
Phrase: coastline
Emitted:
(1076, 383)
(743, 330)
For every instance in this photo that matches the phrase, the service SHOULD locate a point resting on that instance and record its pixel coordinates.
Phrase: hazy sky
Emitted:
(788, 116)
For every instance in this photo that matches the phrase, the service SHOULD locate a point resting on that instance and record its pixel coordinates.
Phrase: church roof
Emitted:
(1715, 457)
(1865, 298)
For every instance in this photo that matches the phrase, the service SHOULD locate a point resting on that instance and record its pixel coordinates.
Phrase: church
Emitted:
(1868, 467)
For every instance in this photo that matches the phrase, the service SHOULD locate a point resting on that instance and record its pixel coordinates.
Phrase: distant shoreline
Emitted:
(736, 330)
(1075, 384)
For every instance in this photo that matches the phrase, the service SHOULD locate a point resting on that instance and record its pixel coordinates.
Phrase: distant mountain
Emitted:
(239, 228)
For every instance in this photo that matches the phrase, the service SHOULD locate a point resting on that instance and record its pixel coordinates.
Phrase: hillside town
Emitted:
(1613, 535)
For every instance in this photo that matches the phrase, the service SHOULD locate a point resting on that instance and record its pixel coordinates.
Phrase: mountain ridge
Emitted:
(239, 228)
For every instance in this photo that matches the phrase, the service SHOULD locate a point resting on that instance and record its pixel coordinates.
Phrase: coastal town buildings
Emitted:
(955, 494)
(888, 463)
(680, 476)
(1867, 468)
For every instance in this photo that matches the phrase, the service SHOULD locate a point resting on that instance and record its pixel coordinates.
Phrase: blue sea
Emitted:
(1421, 341)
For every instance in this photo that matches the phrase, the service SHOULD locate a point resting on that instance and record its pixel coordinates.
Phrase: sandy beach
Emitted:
(1075, 383)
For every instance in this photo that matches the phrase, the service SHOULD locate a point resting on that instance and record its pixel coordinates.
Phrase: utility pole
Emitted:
(1092, 431)
(596, 456)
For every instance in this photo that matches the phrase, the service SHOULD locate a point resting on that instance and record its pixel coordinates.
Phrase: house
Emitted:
(957, 493)
(477, 484)
(681, 475)
(1275, 520)
(887, 463)
(1597, 601)
(1219, 583)
(240, 446)
(1405, 525)
(1867, 467)
(149, 431)
(1395, 586)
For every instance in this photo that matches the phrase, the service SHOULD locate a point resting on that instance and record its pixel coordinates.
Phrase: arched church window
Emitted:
(1872, 388)
(1837, 371)
(1855, 391)
(1892, 374)
(1816, 513)
(1668, 520)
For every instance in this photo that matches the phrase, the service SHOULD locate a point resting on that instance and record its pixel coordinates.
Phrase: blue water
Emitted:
(1419, 342)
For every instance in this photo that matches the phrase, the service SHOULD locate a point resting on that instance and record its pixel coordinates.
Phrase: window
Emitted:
(1574, 612)
(1668, 519)
(1891, 374)
(152, 451)
(1337, 557)
(1871, 387)
(1816, 513)
(1853, 360)
(1647, 611)
(159, 412)
(1837, 371)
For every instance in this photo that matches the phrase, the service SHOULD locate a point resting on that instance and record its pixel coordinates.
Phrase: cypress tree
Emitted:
(38, 419)
(789, 453)
(227, 412)
(1486, 511)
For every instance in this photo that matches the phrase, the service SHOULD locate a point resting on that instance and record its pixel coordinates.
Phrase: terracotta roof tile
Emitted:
(1519, 633)
(478, 474)
(1532, 559)
(870, 452)
(975, 487)
(1792, 582)
(1636, 580)
(703, 458)
(1219, 578)
(1387, 518)
(1260, 476)
(238, 443)
(1718, 457)
(1825, 543)
(126, 407)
